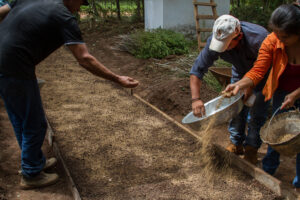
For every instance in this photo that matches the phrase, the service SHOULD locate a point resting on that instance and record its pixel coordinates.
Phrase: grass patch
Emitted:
(158, 43)
(209, 78)
(222, 63)
(212, 82)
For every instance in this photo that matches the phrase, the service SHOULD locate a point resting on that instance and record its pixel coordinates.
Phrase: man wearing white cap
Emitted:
(237, 43)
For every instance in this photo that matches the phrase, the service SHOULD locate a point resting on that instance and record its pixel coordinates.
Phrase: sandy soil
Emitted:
(116, 147)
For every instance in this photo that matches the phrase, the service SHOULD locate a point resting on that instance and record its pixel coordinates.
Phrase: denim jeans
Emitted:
(271, 160)
(24, 107)
(255, 116)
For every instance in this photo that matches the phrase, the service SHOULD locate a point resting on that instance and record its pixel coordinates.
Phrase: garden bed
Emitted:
(118, 148)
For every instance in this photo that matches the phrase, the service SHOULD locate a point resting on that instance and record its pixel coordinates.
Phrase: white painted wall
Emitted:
(178, 14)
(154, 14)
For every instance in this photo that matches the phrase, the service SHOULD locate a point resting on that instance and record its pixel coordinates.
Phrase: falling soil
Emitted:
(214, 165)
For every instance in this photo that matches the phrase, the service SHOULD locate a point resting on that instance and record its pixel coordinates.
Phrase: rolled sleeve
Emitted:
(205, 59)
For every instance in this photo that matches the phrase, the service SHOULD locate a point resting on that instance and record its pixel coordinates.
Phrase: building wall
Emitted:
(179, 14)
(154, 14)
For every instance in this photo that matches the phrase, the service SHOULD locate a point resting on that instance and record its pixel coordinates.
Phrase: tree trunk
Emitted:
(118, 9)
(243, 3)
(143, 7)
(138, 9)
(94, 8)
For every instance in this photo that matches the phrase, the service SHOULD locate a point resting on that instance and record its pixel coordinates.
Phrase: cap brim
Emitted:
(219, 45)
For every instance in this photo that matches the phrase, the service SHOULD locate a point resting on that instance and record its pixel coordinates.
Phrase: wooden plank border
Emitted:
(53, 144)
(261, 176)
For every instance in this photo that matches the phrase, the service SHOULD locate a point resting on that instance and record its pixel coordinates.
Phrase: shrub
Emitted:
(256, 11)
(249, 14)
(158, 43)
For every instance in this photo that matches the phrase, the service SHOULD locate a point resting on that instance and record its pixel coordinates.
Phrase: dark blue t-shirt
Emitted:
(32, 31)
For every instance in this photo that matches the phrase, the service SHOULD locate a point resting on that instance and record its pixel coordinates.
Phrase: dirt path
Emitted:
(10, 164)
(117, 148)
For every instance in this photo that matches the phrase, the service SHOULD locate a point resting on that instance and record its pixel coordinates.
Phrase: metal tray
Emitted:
(227, 109)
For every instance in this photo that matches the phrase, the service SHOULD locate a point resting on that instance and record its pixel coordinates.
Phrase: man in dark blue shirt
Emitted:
(30, 32)
(237, 43)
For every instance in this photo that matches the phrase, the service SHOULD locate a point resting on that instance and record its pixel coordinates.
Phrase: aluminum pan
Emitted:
(228, 108)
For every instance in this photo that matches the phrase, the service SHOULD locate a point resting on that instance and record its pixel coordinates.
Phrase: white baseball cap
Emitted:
(226, 27)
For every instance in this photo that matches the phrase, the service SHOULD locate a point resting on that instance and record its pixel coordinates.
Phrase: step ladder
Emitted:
(198, 17)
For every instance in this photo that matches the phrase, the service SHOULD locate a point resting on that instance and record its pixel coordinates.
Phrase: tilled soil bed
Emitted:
(118, 148)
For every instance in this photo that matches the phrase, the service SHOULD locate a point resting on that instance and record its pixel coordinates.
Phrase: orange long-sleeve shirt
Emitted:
(271, 53)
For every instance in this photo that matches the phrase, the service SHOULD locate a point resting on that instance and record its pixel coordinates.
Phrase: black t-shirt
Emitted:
(31, 31)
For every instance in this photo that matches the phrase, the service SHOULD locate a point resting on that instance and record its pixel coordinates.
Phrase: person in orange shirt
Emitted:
(281, 50)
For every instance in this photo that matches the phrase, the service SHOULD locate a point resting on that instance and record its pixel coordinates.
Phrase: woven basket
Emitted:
(283, 133)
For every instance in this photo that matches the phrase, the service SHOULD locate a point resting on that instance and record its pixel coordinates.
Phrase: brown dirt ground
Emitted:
(118, 148)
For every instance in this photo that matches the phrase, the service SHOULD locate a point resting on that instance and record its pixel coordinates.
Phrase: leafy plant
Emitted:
(158, 43)
(247, 10)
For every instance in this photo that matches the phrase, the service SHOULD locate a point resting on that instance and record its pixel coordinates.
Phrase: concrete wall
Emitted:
(179, 14)
(154, 14)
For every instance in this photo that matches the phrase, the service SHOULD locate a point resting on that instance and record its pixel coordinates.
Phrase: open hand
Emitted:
(128, 82)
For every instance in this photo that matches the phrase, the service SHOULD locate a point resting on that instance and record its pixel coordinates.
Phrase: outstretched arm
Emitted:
(90, 63)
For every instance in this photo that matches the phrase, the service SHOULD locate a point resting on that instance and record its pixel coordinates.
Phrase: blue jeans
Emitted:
(24, 107)
(255, 117)
(271, 160)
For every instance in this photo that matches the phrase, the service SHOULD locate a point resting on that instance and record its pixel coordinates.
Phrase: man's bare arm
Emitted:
(90, 63)
(197, 103)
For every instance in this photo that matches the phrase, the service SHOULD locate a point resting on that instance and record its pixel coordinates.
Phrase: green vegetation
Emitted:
(209, 78)
(255, 11)
(110, 8)
(158, 43)
(100, 10)
(222, 63)
(212, 82)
